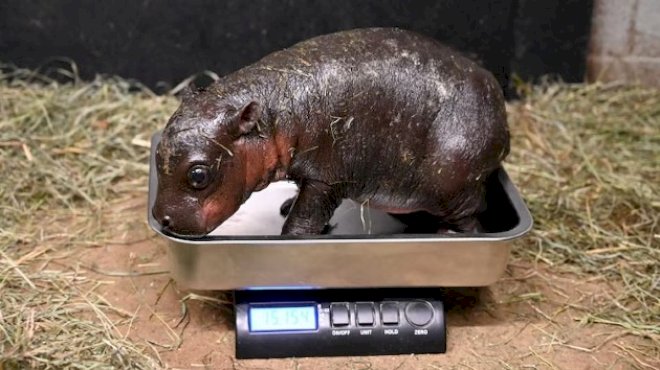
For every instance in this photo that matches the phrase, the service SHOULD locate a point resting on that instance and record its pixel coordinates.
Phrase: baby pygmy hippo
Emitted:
(386, 117)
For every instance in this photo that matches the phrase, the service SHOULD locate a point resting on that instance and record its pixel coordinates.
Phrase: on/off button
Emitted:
(419, 313)
(339, 314)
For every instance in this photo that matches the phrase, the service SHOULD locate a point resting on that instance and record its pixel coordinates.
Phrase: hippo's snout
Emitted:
(163, 219)
(173, 223)
(165, 222)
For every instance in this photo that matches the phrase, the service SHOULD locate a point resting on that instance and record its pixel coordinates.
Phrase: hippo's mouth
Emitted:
(168, 231)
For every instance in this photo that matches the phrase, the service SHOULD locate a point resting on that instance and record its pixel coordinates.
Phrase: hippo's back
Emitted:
(370, 47)
(350, 90)
(395, 77)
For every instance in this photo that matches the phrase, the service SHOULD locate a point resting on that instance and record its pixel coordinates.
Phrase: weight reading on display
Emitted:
(283, 318)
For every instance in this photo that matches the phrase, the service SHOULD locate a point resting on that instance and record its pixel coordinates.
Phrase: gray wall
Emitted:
(625, 42)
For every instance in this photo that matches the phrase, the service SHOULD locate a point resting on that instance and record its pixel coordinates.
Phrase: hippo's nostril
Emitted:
(165, 222)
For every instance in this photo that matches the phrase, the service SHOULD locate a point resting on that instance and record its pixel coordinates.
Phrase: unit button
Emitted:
(339, 314)
(389, 313)
(419, 313)
(365, 313)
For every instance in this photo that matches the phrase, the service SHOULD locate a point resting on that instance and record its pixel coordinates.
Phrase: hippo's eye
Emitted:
(199, 176)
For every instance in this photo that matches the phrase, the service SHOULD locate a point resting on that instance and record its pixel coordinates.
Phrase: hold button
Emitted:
(389, 313)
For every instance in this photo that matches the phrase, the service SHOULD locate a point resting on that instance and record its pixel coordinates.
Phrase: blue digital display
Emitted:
(282, 318)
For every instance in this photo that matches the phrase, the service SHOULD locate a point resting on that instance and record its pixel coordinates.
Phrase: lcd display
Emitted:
(283, 318)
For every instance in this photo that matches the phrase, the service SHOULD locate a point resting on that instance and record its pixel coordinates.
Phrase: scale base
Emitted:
(355, 322)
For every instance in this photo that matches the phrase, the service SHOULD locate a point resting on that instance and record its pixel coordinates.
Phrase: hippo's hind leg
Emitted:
(312, 209)
(461, 212)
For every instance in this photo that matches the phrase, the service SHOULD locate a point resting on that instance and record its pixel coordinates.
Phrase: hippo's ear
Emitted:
(246, 119)
(187, 92)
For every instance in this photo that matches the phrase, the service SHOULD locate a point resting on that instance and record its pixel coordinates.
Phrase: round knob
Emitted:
(419, 313)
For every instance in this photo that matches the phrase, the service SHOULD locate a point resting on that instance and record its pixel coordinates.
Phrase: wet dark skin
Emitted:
(389, 118)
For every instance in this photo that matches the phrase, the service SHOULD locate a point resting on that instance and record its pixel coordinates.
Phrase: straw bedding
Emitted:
(586, 158)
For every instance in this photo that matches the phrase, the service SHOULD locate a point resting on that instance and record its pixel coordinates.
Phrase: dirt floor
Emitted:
(531, 318)
(84, 283)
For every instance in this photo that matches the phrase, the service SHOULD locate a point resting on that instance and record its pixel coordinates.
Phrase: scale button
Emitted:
(339, 314)
(365, 313)
(389, 313)
(419, 313)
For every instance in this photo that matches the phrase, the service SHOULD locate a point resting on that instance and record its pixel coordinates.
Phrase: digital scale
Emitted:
(370, 287)
(339, 322)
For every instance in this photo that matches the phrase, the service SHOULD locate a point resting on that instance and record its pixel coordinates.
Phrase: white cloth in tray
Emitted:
(260, 215)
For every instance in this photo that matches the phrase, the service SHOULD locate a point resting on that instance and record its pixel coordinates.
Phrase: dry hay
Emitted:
(586, 157)
(69, 153)
(587, 160)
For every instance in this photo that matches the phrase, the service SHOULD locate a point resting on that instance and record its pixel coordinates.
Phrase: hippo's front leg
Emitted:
(312, 209)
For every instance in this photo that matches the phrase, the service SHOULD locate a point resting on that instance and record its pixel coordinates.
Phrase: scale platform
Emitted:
(368, 259)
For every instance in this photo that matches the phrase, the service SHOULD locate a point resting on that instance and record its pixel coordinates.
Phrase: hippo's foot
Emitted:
(420, 222)
(285, 208)
(427, 223)
(312, 210)
(327, 229)
(466, 225)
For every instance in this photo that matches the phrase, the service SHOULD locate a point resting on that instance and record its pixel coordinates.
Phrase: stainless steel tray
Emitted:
(367, 248)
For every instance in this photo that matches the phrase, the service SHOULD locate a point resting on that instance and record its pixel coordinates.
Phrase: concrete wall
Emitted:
(625, 41)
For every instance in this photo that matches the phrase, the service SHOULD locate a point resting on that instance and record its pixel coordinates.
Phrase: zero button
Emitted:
(419, 313)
